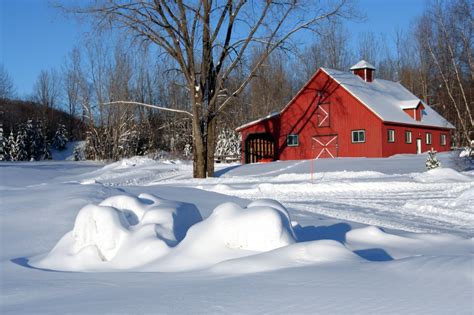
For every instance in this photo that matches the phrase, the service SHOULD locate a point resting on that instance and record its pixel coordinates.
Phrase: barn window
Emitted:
(407, 136)
(442, 140)
(358, 136)
(292, 140)
(391, 135)
(428, 138)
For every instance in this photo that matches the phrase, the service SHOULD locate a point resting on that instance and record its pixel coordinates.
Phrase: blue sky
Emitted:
(35, 36)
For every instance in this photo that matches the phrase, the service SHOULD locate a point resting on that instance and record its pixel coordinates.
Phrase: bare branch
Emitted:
(150, 106)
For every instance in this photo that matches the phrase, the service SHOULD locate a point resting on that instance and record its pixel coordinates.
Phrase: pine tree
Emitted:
(30, 140)
(21, 145)
(432, 161)
(3, 153)
(60, 138)
(11, 144)
(78, 152)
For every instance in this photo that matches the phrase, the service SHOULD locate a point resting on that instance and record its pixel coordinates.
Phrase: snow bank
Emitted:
(125, 232)
(121, 232)
(440, 175)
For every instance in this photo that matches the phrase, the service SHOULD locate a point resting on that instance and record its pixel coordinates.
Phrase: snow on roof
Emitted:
(362, 65)
(387, 99)
(257, 121)
(409, 104)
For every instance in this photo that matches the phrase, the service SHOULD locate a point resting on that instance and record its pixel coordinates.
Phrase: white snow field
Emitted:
(360, 236)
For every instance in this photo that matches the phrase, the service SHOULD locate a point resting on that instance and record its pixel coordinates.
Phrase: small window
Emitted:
(428, 138)
(391, 135)
(292, 140)
(407, 136)
(442, 140)
(358, 136)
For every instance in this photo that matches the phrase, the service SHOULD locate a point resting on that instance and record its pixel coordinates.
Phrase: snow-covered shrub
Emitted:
(188, 151)
(78, 151)
(228, 143)
(432, 161)
(468, 152)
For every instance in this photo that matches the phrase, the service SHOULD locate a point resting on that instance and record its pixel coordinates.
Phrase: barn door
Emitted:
(325, 146)
(259, 147)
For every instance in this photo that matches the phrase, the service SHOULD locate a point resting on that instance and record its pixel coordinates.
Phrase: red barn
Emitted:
(346, 114)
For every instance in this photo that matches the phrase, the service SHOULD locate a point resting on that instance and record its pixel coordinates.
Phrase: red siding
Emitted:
(345, 114)
(400, 146)
(365, 74)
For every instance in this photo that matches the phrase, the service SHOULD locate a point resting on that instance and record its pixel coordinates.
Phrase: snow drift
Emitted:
(122, 232)
(153, 234)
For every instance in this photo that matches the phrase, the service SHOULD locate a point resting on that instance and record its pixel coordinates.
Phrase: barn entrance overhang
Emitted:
(259, 147)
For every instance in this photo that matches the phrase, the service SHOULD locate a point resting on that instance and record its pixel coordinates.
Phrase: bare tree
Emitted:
(271, 88)
(72, 80)
(445, 34)
(7, 89)
(202, 39)
(47, 89)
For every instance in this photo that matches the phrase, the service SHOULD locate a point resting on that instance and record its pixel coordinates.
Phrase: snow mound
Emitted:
(230, 232)
(121, 232)
(146, 233)
(130, 162)
(261, 226)
(440, 175)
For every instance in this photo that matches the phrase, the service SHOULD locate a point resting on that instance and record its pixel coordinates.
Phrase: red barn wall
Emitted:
(400, 147)
(345, 113)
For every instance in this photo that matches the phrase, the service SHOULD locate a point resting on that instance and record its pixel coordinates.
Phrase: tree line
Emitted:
(177, 76)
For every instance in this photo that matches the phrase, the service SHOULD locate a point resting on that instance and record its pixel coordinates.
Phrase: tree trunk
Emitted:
(211, 143)
(199, 144)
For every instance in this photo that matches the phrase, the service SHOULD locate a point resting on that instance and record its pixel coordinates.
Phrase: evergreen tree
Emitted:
(78, 153)
(29, 141)
(21, 144)
(432, 161)
(3, 153)
(60, 138)
(12, 147)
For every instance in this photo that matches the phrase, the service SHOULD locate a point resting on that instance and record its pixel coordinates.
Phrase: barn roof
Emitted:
(387, 99)
(253, 122)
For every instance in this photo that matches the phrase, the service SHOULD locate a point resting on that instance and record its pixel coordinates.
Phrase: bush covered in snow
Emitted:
(228, 143)
(432, 161)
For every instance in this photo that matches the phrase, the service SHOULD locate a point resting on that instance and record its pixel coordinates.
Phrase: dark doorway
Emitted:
(259, 147)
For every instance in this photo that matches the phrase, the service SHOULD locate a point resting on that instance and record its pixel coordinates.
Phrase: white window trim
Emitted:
(297, 140)
(442, 140)
(358, 131)
(428, 136)
(391, 132)
(406, 138)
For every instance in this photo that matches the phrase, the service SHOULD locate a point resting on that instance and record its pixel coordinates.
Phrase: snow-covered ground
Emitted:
(357, 236)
